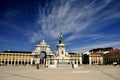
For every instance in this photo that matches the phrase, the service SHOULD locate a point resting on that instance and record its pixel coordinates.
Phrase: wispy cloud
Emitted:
(75, 17)
(95, 45)
(70, 16)
(95, 41)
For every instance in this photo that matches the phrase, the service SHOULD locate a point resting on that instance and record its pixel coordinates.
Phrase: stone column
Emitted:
(10, 62)
(46, 62)
(21, 62)
(101, 58)
(77, 61)
(31, 61)
(118, 61)
(97, 59)
(7, 62)
(90, 60)
(73, 61)
(14, 62)
(55, 62)
(80, 59)
(18, 62)
(26, 62)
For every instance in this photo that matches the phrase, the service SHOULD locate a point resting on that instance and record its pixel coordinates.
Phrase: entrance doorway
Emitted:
(85, 59)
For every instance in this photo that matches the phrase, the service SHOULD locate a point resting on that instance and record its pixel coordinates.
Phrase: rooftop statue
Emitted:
(60, 38)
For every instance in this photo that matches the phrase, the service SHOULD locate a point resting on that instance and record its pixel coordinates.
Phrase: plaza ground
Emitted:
(84, 72)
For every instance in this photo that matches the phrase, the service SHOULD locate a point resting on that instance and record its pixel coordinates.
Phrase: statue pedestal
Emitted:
(61, 45)
(61, 50)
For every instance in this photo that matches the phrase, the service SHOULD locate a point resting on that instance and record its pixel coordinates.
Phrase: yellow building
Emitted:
(15, 58)
(105, 56)
(112, 57)
(95, 58)
(76, 57)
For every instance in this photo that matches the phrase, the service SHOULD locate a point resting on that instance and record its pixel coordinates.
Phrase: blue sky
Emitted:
(85, 24)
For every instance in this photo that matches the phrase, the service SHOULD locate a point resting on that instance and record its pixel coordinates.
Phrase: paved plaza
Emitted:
(84, 72)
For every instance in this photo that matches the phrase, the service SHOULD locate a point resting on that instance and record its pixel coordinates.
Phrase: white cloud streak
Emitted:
(76, 17)
(70, 16)
(96, 45)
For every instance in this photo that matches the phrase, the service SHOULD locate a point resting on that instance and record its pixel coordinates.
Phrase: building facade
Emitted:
(112, 57)
(105, 56)
(44, 56)
(15, 58)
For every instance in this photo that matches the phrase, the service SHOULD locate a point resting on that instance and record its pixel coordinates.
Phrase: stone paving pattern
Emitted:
(84, 72)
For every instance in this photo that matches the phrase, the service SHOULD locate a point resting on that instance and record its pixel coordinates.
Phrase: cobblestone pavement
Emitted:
(84, 72)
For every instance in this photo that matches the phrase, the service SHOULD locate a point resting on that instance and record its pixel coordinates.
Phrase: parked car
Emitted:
(114, 63)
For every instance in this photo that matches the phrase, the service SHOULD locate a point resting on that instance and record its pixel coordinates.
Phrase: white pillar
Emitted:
(55, 62)
(14, 62)
(10, 63)
(27, 62)
(21, 62)
(101, 58)
(17, 63)
(80, 59)
(7, 62)
(73, 61)
(31, 61)
(96, 59)
(37, 61)
(77, 61)
(90, 60)
(46, 62)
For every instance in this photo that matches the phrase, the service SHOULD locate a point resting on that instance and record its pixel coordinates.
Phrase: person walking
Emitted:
(37, 66)
(72, 66)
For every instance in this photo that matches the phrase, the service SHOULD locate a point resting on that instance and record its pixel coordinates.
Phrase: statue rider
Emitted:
(60, 38)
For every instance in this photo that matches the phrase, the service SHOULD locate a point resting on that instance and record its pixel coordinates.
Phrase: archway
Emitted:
(19, 62)
(12, 62)
(42, 56)
(9, 62)
(33, 62)
(16, 63)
